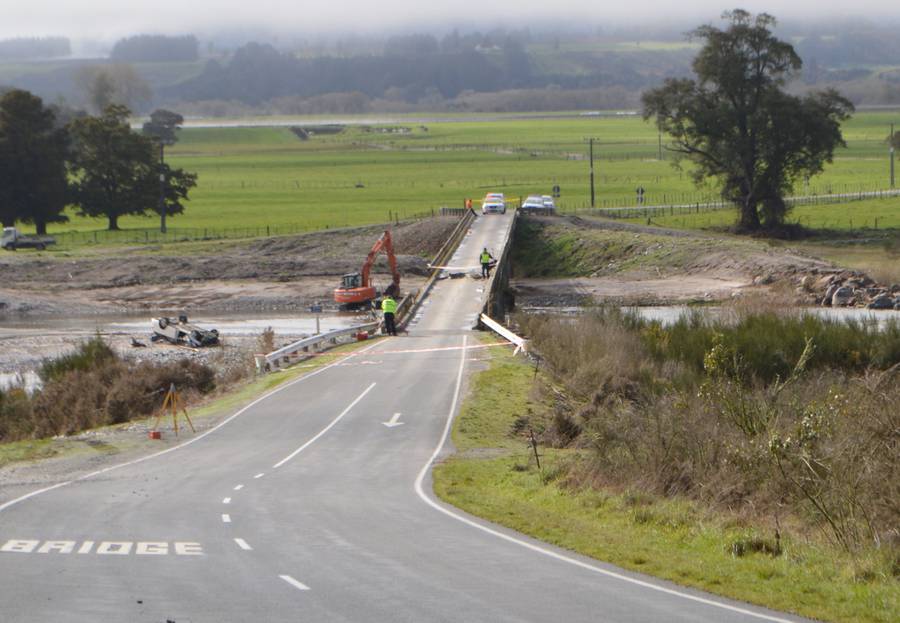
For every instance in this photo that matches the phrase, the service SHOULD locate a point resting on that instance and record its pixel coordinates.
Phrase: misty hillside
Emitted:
(495, 71)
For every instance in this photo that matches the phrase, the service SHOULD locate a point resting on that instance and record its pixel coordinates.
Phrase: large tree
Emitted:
(736, 123)
(116, 171)
(33, 150)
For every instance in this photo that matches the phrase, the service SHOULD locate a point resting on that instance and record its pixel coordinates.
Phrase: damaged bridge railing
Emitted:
(406, 307)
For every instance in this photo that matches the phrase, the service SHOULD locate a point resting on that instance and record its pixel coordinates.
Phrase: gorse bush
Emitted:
(770, 344)
(766, 413)
(89, 355)
(94, 387)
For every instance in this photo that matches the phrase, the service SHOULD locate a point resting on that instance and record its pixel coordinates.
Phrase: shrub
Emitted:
(764, 413)
(90, 354)
(94, 387)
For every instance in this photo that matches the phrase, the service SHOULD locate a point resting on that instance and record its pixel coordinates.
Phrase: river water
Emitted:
(669, 314)
(24, 342)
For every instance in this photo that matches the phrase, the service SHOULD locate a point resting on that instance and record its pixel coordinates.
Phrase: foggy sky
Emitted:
(110, 19)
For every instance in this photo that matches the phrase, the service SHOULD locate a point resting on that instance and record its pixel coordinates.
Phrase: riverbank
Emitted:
(574, 260)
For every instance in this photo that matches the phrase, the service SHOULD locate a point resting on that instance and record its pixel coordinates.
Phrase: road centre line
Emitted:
(226, 518)
(259, 475)
(226, 501)
(243, 544)
(202, 435)
(239, 487)
(295, 583)
(324, 430)
(544, 550)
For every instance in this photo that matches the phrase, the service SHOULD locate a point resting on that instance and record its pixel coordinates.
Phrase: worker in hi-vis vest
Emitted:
(486, 259)
(389, 307)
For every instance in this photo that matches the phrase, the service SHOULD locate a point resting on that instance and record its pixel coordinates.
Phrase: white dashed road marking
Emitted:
(295, 583)
(239, 487)
(226, 501)
(226, 518)
(260, 475)
(243, 544)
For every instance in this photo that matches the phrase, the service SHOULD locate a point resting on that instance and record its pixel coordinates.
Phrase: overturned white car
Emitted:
(180, 331)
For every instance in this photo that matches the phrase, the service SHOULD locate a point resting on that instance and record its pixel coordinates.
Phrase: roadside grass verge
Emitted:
(495, 477)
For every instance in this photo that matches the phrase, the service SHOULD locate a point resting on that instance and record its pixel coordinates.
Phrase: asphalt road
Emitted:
(314, 504)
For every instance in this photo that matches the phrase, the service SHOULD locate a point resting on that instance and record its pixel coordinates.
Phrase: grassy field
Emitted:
(865, 214)
(266, 176)
(494, 476)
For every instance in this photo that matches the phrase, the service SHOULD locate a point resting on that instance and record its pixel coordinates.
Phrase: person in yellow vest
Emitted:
(389, 307)
(486, 259)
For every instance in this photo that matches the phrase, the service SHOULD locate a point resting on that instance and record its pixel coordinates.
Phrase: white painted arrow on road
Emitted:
(393, 422)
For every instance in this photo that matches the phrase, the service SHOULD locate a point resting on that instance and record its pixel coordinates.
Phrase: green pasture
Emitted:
(254, 177)
(865, 214)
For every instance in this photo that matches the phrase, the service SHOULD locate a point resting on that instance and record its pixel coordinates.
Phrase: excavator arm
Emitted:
(384, 243)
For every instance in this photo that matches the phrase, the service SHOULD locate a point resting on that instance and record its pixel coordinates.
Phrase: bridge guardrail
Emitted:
(295, 351)
(494, 303)
(290, 354)
(443, 254)
(520, 342)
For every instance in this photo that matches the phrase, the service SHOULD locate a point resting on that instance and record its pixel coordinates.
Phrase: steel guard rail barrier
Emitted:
(520, 342)
(500, 276)
(292, 353)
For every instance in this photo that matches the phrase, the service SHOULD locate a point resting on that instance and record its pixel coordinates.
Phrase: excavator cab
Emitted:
(351, 280)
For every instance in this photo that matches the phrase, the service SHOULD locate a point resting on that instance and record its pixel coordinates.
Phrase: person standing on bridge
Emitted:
(389, 307)
(486, 259)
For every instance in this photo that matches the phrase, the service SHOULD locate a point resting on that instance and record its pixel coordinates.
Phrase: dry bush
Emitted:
(96, 391)
(266, 341)
(819, 442)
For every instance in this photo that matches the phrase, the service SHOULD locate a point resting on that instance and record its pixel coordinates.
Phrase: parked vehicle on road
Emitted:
(493, 206)
(538, 204)
(13, 239)
(532, 203)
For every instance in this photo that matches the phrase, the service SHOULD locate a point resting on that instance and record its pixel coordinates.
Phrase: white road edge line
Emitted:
(426, 469)
(226, 518)
(295, 583)
(324, 430)
(243, 544)
(231, 417)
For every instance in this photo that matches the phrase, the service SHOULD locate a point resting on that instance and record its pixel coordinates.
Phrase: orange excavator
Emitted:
(356, 289)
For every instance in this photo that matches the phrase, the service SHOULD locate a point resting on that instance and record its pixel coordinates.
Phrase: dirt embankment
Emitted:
(284, 273)
(575, 260)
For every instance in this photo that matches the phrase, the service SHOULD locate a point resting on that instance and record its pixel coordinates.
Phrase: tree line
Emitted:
(412, 68)
(21, 48)
(53, 159)
(155, 49)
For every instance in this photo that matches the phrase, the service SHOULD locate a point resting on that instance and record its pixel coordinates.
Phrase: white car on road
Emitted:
(492, 205)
